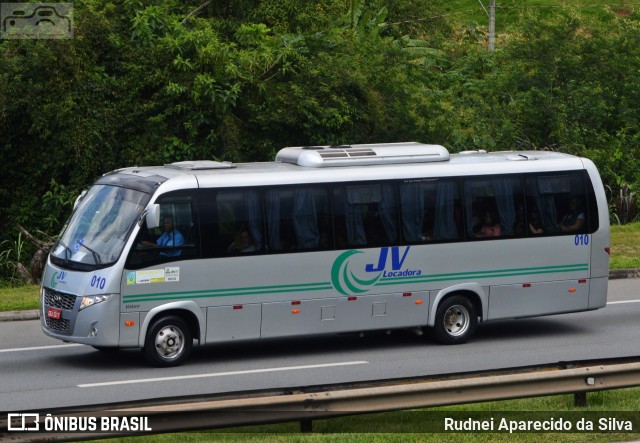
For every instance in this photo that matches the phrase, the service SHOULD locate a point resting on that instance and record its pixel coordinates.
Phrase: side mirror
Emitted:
(153, 216)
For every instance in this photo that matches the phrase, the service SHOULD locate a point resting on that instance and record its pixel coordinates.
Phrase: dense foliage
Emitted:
(147, 82)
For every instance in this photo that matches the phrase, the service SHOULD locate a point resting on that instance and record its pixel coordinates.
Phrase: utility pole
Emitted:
(492, 24)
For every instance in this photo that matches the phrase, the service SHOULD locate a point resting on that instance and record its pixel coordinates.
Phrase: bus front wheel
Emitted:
(456, 320)
(168, 342)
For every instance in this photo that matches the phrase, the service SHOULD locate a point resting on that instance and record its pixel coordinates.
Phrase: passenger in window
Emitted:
(574, 220)
(243, 243)
(535, 224)
(170, 238)
(490, 226)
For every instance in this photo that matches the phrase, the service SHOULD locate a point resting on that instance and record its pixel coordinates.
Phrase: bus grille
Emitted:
(61, 325)
(59, 300)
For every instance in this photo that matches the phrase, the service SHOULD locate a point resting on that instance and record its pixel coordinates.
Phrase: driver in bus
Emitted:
(170, 238)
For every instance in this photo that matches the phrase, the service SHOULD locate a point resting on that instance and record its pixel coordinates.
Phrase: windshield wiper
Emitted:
(96, 256)
(67, 250)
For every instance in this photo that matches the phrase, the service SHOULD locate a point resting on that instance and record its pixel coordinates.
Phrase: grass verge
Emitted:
(625, 246)
(19, 298)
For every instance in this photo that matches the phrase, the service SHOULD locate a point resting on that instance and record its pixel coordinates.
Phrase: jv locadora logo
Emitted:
(344, 279)
(350, 274)
(58, 277)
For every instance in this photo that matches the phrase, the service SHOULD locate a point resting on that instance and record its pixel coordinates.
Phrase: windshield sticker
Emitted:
(172, 274)
(131, 278)
(153, 276)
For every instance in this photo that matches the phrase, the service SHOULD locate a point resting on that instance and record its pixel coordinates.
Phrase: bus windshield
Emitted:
(99, 227)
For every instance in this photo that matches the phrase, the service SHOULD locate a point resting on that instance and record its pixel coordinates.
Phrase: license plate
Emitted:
(54, 313)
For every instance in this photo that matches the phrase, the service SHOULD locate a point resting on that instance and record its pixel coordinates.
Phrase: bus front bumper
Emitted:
(96, 325)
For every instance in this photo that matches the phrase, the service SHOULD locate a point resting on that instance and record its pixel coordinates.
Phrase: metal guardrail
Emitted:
(268, 408)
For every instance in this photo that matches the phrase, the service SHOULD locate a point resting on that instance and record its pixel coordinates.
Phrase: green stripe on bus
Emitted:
(227, 292)
(323, 286)
(387, 281)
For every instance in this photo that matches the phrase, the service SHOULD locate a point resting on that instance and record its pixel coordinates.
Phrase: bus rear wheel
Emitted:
(456, 320)
(168, 342)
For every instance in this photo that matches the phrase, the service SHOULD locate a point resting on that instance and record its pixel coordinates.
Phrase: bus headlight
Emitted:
(90, 300)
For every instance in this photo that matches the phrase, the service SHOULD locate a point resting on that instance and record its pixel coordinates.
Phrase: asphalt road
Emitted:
(38, 372)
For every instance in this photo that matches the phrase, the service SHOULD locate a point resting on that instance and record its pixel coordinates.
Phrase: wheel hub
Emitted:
(169, 342)
(456, 320)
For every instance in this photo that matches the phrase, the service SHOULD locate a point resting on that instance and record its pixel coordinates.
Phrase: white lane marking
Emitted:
(622, 301)
(222, 374)
(38, 348)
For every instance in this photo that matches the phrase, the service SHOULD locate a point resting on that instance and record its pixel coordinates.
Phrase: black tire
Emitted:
(456, 320)
(168, 342)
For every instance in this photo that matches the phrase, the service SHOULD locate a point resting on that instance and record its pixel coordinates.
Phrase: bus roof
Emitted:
(320, 164)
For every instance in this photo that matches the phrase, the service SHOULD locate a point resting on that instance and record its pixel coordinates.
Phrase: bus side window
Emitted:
(182, 215)
(366, 215)
(494, 207)
(428, 211)
(239, 222)
(448, 220)
(296, 219)
(175, 239)
(557, 204)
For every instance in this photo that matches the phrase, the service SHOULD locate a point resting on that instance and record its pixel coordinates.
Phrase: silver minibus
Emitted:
(326, 239)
